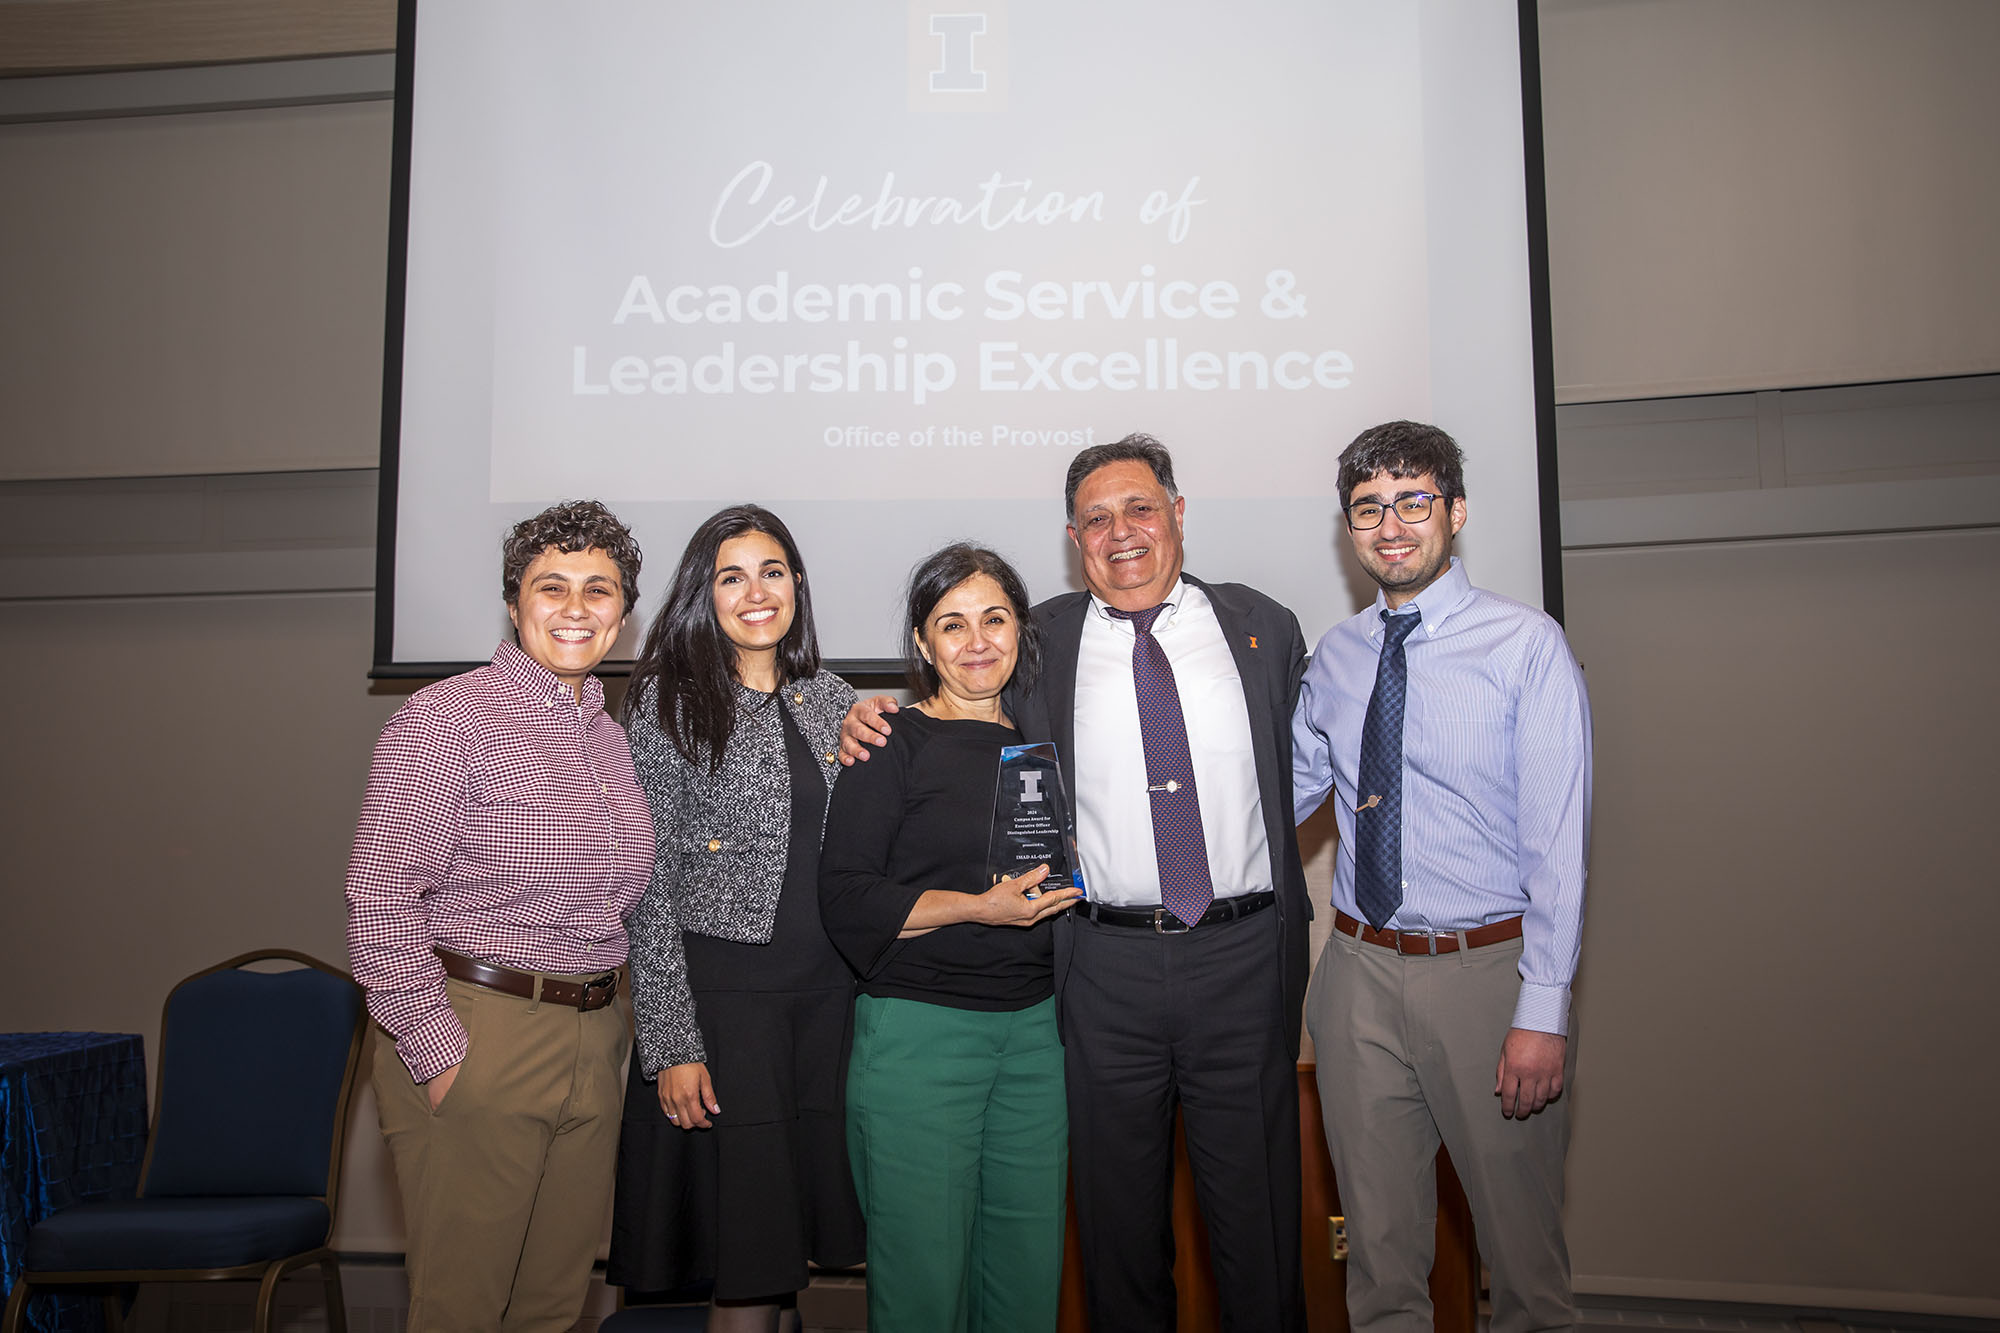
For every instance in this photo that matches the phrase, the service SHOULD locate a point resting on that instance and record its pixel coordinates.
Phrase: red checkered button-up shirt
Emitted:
(503, 821)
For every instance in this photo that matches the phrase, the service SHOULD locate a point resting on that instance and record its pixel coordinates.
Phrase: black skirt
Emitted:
(747, 1203)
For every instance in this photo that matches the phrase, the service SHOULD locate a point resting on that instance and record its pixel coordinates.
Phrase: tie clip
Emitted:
(1368, 804)
(1169, 786)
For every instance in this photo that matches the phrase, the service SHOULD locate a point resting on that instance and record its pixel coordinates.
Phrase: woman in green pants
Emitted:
(956, 1127)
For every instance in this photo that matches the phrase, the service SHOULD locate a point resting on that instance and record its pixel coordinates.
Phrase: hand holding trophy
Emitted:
(1031, 820)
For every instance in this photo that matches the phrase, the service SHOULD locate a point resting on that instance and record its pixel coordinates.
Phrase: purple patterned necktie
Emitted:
(1182, 851)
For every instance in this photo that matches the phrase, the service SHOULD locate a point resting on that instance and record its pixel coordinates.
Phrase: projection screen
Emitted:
(885, 267)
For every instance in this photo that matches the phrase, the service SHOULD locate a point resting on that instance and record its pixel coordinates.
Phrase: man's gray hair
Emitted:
(1134, 448)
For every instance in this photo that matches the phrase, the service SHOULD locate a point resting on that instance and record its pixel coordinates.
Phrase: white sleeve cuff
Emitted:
(1542, 1009)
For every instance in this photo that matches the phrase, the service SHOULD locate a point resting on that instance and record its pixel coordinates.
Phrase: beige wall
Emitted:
(1769, 195)
(194, 293)
(1785, 1088)
(1784, 1076)
(181, 783)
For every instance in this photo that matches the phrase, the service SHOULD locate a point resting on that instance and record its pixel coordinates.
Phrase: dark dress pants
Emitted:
(1197, 1019)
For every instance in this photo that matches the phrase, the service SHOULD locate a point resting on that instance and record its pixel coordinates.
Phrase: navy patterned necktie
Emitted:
(1186, 889)
(1378, 823)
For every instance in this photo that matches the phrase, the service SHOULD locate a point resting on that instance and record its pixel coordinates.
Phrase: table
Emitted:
(72, 1130)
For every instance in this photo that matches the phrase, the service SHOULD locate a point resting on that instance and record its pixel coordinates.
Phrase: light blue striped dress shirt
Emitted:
(1496, 774)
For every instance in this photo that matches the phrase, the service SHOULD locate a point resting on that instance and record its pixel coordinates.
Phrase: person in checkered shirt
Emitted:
(502, 841)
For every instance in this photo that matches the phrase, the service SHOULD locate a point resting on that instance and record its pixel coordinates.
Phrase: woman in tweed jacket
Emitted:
(733, 1165)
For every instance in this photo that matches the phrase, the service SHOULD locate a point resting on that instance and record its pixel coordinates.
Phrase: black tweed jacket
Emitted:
(721, 840)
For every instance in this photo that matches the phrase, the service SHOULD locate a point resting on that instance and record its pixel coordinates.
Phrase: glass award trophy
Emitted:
(1031, 818)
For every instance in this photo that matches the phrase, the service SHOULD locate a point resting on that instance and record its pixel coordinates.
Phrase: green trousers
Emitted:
(959, 1140)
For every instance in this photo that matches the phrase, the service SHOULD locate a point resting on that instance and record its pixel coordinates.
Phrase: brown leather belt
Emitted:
(585, 995)
(1428, 942)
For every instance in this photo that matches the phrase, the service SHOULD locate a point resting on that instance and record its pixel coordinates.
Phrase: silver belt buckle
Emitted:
(1429, 937)
(1161, 917)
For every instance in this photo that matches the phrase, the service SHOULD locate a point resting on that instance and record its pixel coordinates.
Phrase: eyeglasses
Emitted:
(1413, 508)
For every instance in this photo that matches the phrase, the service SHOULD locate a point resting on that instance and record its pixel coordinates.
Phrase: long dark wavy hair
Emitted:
(691, 663)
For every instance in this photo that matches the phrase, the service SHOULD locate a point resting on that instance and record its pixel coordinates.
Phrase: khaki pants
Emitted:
(1407, 1049)
(505, 1185)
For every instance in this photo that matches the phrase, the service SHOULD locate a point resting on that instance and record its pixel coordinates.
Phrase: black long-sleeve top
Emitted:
(918, 816)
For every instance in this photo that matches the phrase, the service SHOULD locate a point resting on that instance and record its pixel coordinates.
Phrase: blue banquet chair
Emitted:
(243, 1164)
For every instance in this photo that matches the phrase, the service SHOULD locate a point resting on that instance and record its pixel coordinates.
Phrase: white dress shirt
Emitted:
(1114, 813)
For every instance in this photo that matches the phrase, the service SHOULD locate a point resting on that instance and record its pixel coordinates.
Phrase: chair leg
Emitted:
(17, 1307)
(267, 1297)
(336, 1300)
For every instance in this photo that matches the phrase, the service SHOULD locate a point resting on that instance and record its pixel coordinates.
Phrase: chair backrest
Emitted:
(255, 1071)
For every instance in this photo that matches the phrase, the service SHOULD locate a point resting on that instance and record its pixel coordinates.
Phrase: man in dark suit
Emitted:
(1180, 979)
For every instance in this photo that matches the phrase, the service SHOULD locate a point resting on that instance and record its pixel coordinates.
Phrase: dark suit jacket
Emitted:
(1270, 653)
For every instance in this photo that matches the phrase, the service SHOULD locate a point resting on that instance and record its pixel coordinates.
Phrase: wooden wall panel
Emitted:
(81, 35)
(195, 293)
(1761, 196)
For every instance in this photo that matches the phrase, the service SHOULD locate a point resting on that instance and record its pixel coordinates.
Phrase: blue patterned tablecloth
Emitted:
(72, 1130)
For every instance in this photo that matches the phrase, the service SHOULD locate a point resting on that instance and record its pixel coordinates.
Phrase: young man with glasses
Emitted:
(1452, 728)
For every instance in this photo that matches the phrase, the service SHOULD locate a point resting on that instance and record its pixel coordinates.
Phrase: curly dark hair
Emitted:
(573, 525)
(937, 575)
(1134, 448)
(1403, 449)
